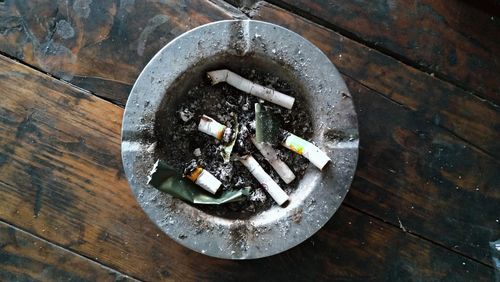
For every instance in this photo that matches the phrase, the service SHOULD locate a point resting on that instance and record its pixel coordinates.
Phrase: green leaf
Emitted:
(267, 127)
(166, 179)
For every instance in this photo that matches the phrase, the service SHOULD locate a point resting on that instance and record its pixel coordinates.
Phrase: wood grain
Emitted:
(107, 62)
(455, 39)
(61, 179)
(447, 106)
(415, 174)
(413, 168)
(24, 257)
(98, 45)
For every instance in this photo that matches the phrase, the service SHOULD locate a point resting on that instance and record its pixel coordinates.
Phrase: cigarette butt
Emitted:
(264, 179)
(204, 179)
(272, 157)
(249, 87)
(211, 127)
(306, 149)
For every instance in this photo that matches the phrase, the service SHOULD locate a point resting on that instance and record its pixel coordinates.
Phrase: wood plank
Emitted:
(409, 160)
(115, 61)
(414, 173)
(61, 179)
(99, 45)
(24, 257)
(457, 40)
(412, 163)
(444, 104)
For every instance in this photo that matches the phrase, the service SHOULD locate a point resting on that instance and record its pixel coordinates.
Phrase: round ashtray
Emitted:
(239, 45)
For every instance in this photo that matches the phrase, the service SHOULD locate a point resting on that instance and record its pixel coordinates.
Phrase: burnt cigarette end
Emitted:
(226, 135)
(190, 168)
(285, 204)
(212, 81)
(283, 135)
(245, 157)
(206, 118)
(194, 174)
(202, 178)
(211, 127)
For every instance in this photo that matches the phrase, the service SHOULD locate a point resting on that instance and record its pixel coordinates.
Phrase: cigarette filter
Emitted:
(211, 127)
(204, 179)
(306, 149)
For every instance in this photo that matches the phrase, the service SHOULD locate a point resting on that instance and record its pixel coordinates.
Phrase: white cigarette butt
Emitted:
(272, 157)
(204, 179)
(264, 179)
(249, 87)
(306, 149)
(211, 127)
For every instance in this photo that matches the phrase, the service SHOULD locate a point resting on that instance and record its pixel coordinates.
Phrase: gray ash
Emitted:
(190, 167)
(230, 106)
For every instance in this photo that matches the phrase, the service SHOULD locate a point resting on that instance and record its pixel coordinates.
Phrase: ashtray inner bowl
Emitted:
(193, 95)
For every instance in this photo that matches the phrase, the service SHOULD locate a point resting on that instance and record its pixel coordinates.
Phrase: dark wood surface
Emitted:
(425, 200)
(100, 46)
(409, 154)
(25, 257)
(456, 40)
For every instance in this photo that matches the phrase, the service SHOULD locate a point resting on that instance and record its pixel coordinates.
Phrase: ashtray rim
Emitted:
(272, 231)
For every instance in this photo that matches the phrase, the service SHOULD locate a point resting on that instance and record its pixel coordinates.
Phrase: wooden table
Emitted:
(424, 204)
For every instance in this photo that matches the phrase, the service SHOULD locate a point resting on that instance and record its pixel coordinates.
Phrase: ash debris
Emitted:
(231, 107)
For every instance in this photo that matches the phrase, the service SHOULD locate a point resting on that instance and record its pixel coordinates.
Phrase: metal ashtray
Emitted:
(233, 44)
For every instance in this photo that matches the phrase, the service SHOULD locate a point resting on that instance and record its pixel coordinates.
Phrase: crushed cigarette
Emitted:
(272, 157)
(249, 87)
(211, 127)
(204, 179)
(264, 179)
(228, 137)
(306, 149)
